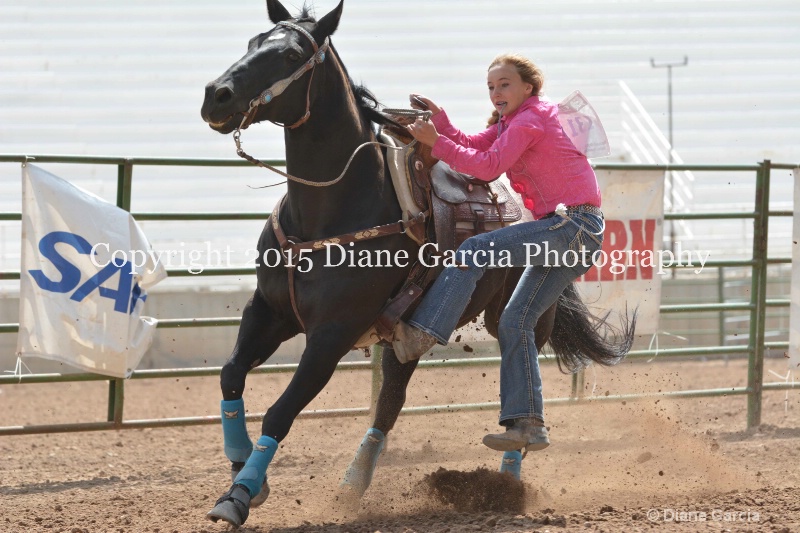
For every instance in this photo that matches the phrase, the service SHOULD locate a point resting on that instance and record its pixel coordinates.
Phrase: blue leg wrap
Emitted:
(359, 473)
(238, 445)
(255, 469)
(512, 462)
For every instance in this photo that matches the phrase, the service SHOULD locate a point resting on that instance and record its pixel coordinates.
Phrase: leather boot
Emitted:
(526, 434)
(410, 343)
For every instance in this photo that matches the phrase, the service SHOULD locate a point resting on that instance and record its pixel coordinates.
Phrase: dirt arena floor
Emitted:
(683, 465)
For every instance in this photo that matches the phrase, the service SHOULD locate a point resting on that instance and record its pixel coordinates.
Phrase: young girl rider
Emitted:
(525, 140)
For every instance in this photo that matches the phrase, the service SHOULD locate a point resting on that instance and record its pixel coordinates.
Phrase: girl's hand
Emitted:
(427, 103)
(424, 132)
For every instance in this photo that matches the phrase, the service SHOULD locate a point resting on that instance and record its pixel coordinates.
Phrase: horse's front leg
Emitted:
(260, 334)
(391, 399)
(323, 351)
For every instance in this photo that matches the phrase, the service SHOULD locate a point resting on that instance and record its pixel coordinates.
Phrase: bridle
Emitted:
(279, 86)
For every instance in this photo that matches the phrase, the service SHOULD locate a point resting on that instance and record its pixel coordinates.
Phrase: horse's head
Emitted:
(272, 81)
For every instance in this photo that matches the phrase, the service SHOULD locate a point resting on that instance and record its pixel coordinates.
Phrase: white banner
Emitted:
(794, 311)
(627, 272)
(582, 125)
(85, 268)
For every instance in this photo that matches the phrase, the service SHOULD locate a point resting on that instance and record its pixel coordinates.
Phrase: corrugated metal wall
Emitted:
(113, 77)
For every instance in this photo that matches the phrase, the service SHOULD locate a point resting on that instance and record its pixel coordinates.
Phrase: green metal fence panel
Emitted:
(756, 307)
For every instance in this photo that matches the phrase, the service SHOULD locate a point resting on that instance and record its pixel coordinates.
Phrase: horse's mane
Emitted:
(368, 104)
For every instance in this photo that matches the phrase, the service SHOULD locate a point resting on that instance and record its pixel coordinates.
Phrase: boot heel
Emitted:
(536, 446)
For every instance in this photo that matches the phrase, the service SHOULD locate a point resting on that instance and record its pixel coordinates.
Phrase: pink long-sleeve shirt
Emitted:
(541, 162)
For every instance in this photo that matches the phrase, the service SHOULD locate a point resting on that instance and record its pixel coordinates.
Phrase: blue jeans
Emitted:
(554, 251)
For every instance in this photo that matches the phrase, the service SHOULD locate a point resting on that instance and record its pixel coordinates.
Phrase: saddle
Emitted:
(463, 206)
(455, 206)
(459, 205)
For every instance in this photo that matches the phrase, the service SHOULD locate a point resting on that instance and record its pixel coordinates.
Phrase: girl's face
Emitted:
(507, 91)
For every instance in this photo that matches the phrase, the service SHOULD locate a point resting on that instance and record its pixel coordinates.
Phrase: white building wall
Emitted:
(113, 77)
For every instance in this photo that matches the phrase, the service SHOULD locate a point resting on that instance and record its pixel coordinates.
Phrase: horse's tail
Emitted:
(579, 338)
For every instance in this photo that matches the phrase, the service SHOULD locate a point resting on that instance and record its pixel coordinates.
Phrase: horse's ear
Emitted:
(328, 24)
(277, 13)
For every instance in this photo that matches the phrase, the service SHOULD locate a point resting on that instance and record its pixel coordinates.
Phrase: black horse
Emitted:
(327, 117)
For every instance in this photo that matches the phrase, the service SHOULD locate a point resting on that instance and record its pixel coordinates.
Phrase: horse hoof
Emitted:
(262, 496)
(233, 507)
(259, 498)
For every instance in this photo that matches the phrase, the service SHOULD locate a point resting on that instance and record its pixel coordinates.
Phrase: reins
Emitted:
(241, 153)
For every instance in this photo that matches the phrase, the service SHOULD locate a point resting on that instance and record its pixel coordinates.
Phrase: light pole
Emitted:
(669, 65)
(670, 182)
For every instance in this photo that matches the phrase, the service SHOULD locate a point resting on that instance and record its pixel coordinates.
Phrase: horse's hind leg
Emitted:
(392, 397)
(396, 377)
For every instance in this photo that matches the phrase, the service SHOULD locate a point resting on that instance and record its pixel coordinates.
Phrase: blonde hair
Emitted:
(526, 69)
